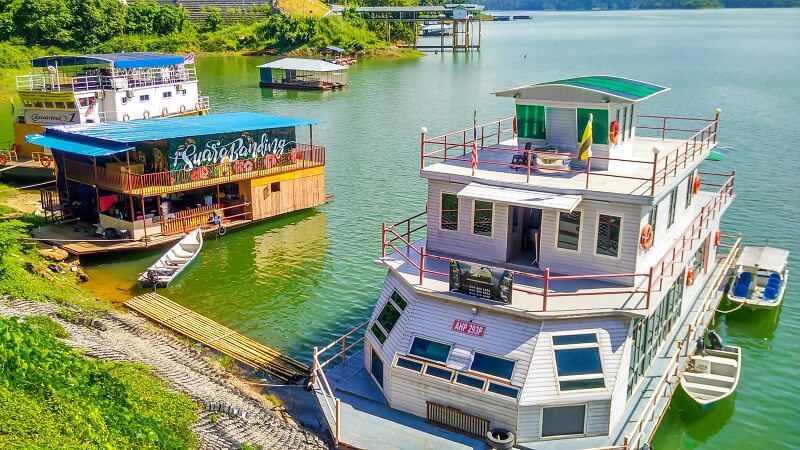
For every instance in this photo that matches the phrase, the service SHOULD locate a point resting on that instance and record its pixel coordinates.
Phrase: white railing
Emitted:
(202, 104)
(118, 80)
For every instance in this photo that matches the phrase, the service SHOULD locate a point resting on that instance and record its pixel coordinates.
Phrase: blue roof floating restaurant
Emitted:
(146, 183)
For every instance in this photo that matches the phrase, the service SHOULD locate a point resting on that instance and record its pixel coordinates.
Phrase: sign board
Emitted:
(481, 281)
(30, 97)
(188, 153)
(50, 117)
(471, 328)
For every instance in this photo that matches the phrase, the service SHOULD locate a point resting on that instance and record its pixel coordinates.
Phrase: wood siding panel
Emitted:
(294, 195)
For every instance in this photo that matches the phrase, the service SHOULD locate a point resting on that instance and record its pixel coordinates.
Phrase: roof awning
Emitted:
(521, 197)
(617, 88)
(77, 147)
(765, 258)
(129, 60)
(309, 65)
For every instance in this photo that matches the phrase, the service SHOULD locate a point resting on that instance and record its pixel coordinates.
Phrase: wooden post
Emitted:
(546, 288)
(716, 123)
(649, 286)
(655, 164)
(421, 265)
(144, 220)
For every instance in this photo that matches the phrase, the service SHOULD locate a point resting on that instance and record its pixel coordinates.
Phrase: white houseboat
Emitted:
(82, 89)
(546, 300)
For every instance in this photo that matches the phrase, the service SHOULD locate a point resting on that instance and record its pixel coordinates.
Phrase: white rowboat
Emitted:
(713, 375)
(761, 277)
(172, 263)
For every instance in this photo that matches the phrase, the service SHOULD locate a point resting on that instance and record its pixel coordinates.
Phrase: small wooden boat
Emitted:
(712, 375)
(172, 263)
(761, 276)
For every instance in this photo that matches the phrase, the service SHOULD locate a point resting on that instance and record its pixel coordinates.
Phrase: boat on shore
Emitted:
(712, 374)
(761, 277)
(173, 262)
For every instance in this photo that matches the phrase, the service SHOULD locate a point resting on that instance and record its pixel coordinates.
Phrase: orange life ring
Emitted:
(696, 184)
(126, 117)
(182, 108)
(45, 161)
(164, 111)
(646, 238)
(690, 276)
(613, 132)
(717, 238)
(3, 159)
(146, 114)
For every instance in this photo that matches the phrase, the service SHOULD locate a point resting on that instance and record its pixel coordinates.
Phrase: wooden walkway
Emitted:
(220, 338)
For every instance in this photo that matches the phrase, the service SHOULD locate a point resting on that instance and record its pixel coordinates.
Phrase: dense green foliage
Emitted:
(53, 397)
(565, 5)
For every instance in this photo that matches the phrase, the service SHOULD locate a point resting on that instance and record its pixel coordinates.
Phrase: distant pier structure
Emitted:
(454, 24)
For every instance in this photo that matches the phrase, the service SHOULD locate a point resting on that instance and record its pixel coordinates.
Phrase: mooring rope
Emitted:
(730, 311)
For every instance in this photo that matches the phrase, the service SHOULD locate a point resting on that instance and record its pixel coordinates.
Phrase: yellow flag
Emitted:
(585, 151)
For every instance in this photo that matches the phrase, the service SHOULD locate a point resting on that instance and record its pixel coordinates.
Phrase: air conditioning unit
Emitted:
(129, 94)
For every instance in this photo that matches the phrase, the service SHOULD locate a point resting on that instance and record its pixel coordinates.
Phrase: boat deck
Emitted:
(78, 238)
(367, 421)
(204, 330)
(631, 177)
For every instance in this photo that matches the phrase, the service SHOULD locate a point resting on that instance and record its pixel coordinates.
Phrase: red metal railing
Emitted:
(457, 146)
(399, 237)
(303, 156)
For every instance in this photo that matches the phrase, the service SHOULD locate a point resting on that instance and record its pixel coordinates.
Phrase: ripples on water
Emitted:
(303, 279)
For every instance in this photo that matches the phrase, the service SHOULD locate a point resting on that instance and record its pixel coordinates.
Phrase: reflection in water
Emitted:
(696, 425)
(758, 323)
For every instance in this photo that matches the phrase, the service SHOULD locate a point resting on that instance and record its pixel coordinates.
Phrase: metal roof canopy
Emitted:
(132, 60)
(92, 149)
(309, 65)
(764, 258)
(129, 132)
(334, 49)
(624, 89)
(521, 197)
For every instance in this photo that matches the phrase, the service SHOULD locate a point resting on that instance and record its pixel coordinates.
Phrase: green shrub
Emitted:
(47, 325)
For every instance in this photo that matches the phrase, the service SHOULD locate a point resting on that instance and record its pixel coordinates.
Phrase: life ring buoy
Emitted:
(126, 117)
(696, 184)
(146, 114)
(164, 111)
(3, 159)
(717, 238)
(182, 108)
(613, 132)
(45, 161)
(690, 276)
(646, 238)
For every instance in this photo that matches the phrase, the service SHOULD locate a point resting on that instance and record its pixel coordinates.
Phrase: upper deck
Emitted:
(643, 168)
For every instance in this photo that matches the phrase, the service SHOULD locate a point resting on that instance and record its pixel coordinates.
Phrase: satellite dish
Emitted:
(51, 69)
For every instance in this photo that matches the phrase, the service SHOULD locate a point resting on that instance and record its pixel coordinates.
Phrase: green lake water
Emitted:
(303, 279)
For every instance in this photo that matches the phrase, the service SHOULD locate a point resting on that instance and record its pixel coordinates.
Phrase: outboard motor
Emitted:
(715, 340)
(701, 346)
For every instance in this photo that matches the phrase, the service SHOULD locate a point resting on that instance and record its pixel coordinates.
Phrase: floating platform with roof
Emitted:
(300, 73)
(138, 184)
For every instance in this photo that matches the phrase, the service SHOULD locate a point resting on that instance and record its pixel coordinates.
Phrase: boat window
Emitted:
(449, 218)
(409, 364)
(492, 365)
(578, 363)
(167, 94)
(399, 300)
(608, 231)
(673, 204)
(144, 98)
(652, 220)
(689, 182)
(531, 122)
(388, 317)
(376, 330)
(424, 348)
(482, 218)
(439, 372)
(500, 389)
(569, 230)
(376, 367)
(564, 421)
(699, 260)
(467, 380)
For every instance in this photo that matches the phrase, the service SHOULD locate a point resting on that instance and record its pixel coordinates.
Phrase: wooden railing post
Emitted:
(445, 148)
(421, 265)
(716, 122)
(664, 129)
(338, 420)
(546, 288)
(383, 240)
(655, 165)
(423, 131)
(649, 286)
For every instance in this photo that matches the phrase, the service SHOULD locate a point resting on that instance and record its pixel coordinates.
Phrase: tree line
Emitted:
(586, 5)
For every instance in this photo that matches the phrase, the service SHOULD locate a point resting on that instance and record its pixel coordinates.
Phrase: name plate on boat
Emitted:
(471, 328)
(481, 281)
(188, 153)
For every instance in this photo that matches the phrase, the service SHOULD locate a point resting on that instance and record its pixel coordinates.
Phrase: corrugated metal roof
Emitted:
(625, 89)
(75, 146)
(175, 127)
(311, 65)
(765, 258)
(132, 60)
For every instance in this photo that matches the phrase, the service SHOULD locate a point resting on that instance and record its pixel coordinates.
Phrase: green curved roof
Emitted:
(622, 88)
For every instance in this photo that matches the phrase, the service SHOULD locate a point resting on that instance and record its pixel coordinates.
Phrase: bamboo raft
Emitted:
(211, 334)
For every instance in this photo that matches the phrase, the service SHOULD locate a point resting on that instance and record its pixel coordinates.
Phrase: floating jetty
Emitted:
(211, 334)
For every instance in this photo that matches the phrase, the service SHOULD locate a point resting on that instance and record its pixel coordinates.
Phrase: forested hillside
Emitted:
(585, 5)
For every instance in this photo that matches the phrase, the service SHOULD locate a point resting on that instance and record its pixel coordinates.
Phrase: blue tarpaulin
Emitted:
(92, 149)
(132, 60)
(129, 132)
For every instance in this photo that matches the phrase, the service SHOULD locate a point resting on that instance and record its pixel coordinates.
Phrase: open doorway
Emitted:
(524, 236)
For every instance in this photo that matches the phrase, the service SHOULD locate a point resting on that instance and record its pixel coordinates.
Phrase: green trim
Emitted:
(619, 87)
(599, 124)
(531, 122)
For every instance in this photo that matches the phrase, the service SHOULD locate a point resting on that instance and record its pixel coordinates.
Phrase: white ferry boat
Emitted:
(546, 299)
(83, 89)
